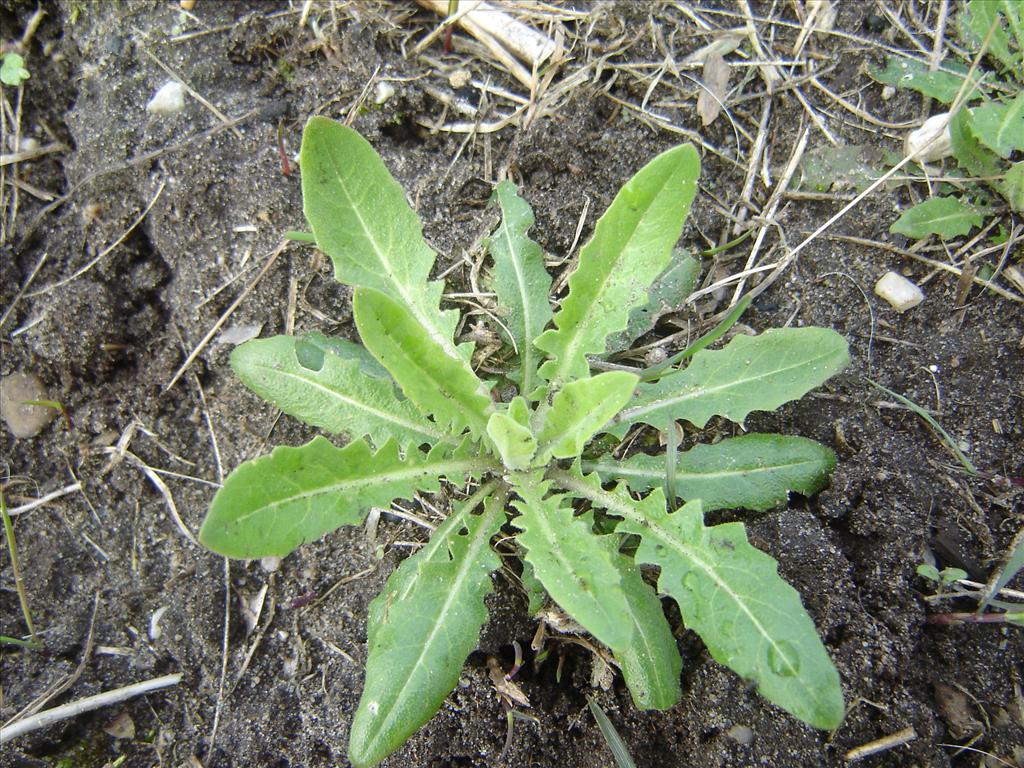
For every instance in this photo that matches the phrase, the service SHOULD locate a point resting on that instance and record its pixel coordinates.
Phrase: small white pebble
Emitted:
(154, 622)
(239, 334)
(655, 355)
(24, 420)
(888, 92)
(168, 100)
(289, 668)
(898, 291)
(270, 563)
(931, 142)
(383, 92)
(741, 734)
(460, 78)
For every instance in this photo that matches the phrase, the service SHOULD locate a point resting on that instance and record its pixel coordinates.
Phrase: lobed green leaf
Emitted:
(521, 281)
(422, 626)
(515, 442)
(755, 471)
(751, 373)
(943, 216)
(576, 567)
(1012, 187)
(650, 661)
(579, 410)
(942, 84)
(980, 16)
(271, 505)
(968, 151)
(361, 220)
(631, 245)
(732, 596)
(441, 385)
(331, 384)
(667, 294)
(1000, 127)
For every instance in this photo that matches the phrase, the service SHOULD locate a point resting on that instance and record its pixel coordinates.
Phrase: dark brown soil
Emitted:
(108, 341)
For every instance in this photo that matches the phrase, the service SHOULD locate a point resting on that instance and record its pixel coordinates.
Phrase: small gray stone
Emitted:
(24, 420)
(741, 734)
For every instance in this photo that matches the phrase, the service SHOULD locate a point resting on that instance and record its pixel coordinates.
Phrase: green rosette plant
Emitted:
(416, 414)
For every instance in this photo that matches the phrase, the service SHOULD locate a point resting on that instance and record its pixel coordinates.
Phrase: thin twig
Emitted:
(88, 704)
(74, 487)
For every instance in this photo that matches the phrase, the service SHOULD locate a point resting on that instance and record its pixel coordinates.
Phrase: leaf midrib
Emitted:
(448, 466)
(612, 504)
(576, 339)
(402, 290)
(539, 516)
(528, 352)
(465, 569)
(421, 428)
(624, 471)
(634, 413)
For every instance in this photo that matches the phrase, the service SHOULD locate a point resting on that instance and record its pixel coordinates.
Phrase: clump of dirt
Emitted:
(119, 593)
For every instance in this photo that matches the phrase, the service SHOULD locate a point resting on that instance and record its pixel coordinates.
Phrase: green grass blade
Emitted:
(751, 373)
(361, 220)
(332, 387)
(949, 441)
(521, 281)
(732, 596)
(611, 736)
(19, 584)
(655, 372)
(1010, 567)
(440, 385)
(631, 246)
(271, 505)
(755, 471)
(423, 626)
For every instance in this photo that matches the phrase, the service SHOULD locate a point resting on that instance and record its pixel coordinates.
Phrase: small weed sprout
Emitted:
(416, 413)
(943, 578)
(985, 133)
(12, 70)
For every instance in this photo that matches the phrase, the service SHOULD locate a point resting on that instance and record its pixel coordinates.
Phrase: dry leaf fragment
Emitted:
(716, 84)
(955, 709)
(723, 45)
(504, 687)
(121, 727)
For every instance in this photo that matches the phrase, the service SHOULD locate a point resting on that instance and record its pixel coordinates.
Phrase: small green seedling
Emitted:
(12, 70)
(943, 578)
(416, 413)
(986, 132)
